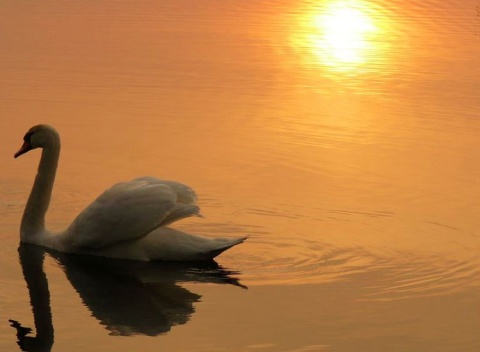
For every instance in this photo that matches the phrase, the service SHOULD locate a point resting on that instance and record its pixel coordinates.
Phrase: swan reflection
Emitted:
(31, 260)
(126, 297)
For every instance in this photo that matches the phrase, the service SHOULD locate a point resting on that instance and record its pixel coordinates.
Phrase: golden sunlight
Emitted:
(342, 35)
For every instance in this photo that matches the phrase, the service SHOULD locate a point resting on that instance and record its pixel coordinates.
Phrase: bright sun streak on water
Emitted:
(343, 35)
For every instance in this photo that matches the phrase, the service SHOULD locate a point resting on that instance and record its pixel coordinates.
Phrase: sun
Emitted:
(343, 34)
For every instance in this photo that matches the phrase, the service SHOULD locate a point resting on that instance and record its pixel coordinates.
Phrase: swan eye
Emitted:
(27, 137)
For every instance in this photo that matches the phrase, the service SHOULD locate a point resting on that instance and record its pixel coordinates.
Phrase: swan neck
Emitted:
(33, 221)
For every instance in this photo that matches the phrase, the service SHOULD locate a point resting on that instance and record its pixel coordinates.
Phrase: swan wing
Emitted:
(127, 211)
(186, 199)
(185, 194)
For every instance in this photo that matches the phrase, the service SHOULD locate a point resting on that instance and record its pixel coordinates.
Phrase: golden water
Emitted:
(342, 136)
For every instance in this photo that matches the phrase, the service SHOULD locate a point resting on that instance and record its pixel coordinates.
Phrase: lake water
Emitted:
(341, 136)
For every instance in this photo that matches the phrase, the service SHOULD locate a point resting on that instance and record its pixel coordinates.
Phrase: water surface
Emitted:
(342, 136)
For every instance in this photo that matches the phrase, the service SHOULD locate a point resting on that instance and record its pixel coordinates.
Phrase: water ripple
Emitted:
(392, 276)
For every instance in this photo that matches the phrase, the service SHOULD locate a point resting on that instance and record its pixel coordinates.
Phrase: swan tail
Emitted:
(219, 250)
(181, 211)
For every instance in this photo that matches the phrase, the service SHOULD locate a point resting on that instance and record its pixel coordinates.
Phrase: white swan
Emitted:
(126, 221)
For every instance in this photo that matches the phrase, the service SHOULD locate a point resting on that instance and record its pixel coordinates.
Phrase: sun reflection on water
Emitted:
(345, 34)
(342, 35)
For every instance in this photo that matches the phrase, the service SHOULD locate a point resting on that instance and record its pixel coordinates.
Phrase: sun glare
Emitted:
(342, 35)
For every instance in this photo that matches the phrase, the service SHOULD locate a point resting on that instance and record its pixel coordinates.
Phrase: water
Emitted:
(340, 135)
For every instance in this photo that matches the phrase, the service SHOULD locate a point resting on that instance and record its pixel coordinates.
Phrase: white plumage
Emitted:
(126, 221)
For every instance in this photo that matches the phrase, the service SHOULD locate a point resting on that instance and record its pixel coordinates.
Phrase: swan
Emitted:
(127, 221)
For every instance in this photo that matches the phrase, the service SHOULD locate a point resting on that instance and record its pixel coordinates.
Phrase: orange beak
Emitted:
(25, 148)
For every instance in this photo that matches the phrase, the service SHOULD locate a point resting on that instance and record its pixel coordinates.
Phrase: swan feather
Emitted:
(126, 221)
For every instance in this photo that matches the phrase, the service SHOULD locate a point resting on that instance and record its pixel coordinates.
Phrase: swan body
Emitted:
(127, 221)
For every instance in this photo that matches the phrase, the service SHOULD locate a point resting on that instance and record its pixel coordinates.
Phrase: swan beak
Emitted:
(25, 148)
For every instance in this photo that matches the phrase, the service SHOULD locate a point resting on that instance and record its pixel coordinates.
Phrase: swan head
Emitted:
(39, 136)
